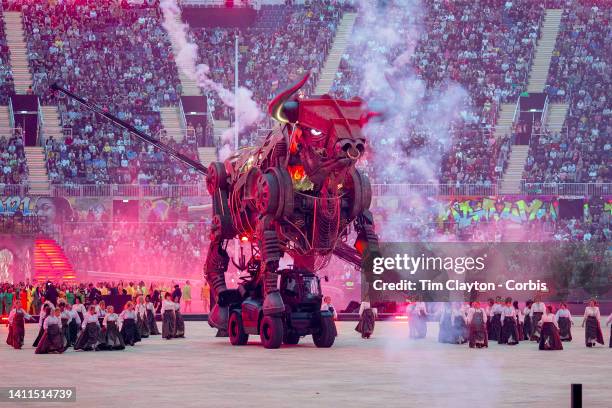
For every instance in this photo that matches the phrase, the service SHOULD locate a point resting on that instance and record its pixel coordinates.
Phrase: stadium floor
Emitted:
(386, 371)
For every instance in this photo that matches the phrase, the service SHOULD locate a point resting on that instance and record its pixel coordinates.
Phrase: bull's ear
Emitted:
(280, 106)
(365, 118)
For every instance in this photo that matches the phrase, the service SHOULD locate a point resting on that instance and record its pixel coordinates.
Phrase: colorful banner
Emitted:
(468, 211)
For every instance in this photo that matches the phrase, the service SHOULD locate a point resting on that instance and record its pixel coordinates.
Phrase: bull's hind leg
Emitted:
(217, 259)
(217, 262)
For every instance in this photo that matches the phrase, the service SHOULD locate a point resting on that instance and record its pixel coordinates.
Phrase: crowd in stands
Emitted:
(580, 76)
(6, 76)
(101, 154)
(155, 249)
(115, 54)
(13, 166)
(118, 56)
(484, 46)
(469, 160)
(271, 57)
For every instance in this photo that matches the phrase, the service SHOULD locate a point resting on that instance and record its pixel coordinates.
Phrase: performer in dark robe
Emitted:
(36, 301)
(537, 311)
(141, 318)
(327, 305)
(16, 321)
(495, 325)
(367, 320)
(549, 332)
(157, 301)
(445, 335)
(79, 308)
(74, 325)
(51, 293)
(460, 335)
(44, 313)
(564, 321)
(478, 328)
(90, 335)
(592, 332)
(110, 337)
(52, 341)
(489, 307)
(509, 333)
(168, 317)
(153, 330)
(179, 327)
(609, 323)
(520, 321)
(528, 326)
(100, 311)
(129, 329)
(65, 321)
(418, 320)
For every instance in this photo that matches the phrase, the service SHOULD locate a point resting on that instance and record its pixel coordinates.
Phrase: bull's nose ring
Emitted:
(351, 155)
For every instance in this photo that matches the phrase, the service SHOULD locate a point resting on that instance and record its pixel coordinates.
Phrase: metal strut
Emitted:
(197, 166)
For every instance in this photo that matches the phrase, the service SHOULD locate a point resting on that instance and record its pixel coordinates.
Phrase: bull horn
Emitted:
(277, 105)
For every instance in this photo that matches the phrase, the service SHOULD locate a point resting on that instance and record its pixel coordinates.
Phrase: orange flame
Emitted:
(297, 172)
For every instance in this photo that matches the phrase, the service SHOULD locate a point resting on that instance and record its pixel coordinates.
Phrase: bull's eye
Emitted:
(360, 147)
(315, 132)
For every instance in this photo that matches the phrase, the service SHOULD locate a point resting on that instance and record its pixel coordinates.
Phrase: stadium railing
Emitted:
(8, 190)
(129, 190)
(433, 189)
(378, 190)
(567, 189)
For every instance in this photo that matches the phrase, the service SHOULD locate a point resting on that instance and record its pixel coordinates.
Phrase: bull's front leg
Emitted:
(271, 253)
(367, 244)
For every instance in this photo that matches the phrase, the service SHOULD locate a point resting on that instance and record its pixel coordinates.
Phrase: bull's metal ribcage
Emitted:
(326, 223)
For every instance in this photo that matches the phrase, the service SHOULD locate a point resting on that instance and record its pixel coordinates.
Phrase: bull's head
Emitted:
(325, 133)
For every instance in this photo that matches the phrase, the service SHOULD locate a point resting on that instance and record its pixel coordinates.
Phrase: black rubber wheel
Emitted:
(271, 332)
(326, 335)
(235, 330)
(216, 177)
(291, 338)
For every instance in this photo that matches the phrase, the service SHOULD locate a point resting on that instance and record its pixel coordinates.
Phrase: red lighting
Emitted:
(401, 317)
(50, 262)
(297, 134)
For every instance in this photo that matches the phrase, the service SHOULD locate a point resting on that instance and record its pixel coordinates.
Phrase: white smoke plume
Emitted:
(414, 131)
(246, 109)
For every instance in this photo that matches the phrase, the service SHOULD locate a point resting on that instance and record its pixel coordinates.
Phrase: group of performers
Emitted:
(96, 327)
(32, 296)
(506, 323)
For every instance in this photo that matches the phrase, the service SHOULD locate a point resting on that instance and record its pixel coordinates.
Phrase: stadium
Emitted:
(140, 143)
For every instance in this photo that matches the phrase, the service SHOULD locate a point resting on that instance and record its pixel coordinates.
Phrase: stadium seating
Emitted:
(484, 46)
(6, 77)
(117, 56)
(580, 75)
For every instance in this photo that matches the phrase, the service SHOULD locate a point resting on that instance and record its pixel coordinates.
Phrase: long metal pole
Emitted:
(236, 141)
